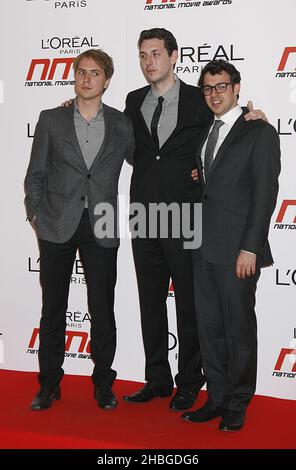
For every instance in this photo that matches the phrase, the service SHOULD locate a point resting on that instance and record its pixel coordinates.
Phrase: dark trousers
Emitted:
(156, 260)
(227, 332)
(56, 264)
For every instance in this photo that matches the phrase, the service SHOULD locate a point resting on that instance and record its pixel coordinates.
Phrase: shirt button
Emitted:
(88, 176)
(158, 157)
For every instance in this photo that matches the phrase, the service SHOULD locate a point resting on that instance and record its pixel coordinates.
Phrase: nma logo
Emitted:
(45, 71)
(164, 4)
(149, 2)
(286, 360)
(282, 217)
(281, 71)
(79, 340)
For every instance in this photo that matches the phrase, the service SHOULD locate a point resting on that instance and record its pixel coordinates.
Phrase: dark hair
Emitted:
(217, 66)
(100, 57)
(170, 42)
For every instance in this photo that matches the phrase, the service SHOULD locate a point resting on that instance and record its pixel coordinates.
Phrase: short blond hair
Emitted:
(100, 57)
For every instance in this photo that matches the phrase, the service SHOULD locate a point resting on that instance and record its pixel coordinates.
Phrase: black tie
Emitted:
(155, 120)
(210, 147)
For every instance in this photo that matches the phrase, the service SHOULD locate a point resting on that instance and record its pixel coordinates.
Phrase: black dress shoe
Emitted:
(183, 400)
(44, 398)
(232, 421)
(203, 414)
(105, 398)
(147, 393)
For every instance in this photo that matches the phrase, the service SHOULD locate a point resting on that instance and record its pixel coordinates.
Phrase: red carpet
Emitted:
(76, 422)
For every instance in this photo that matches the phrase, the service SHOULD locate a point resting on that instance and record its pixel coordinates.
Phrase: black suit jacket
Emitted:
(168, 178)
(240, 194)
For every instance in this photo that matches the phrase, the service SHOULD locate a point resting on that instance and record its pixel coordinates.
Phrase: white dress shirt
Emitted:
(229, 119)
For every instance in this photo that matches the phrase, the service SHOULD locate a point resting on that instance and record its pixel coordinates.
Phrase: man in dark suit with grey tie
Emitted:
(75, 163)
(169, 118)
(238, 164)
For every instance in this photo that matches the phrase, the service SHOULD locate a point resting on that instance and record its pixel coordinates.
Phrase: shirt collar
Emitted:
(100, 113)
(231, 116)
(172, 93)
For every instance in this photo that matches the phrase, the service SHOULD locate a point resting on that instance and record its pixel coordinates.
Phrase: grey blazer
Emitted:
(58, 181)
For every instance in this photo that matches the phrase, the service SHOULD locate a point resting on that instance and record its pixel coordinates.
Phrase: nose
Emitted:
(86, 77)
(214, 92)
(149, 60)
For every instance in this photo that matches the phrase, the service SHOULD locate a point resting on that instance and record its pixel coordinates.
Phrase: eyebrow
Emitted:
(92, 70)
(153, 50)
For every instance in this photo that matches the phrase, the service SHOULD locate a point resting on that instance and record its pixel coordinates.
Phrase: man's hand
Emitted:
(67, 103)
(194, 175)
(245, 265)
(254, 114)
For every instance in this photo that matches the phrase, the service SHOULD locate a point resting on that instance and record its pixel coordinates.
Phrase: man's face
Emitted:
(221, 103)
(90, 79)
(155, 62)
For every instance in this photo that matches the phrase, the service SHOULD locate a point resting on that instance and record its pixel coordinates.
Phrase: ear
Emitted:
(107, 83)
(236, 89)
(174, 57)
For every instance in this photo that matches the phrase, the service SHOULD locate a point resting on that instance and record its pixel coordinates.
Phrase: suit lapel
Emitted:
(140, 99)
(198, 155)
(183, 106)
(109, 120)
(68, 124)
(235, 130)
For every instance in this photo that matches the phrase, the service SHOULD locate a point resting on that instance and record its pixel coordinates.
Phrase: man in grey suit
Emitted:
(239, 165)
(75, 163)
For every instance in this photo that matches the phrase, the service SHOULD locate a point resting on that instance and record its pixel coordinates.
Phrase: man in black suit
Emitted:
(168, 118)
(238, 165)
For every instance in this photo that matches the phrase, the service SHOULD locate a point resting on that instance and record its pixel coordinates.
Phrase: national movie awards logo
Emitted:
(287, 64)
(65, 5)
(77, 343)
(285, 366)
(286, 218)
(57, 71)
(151, 5)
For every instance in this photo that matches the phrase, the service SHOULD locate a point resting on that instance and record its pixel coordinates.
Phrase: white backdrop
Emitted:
(259, 38)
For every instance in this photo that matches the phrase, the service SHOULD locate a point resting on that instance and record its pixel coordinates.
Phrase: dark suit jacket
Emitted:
(58, 180)
(167, 179)
(240, 194)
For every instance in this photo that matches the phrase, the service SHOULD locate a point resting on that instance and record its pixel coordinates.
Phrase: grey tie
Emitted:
(210, 147)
